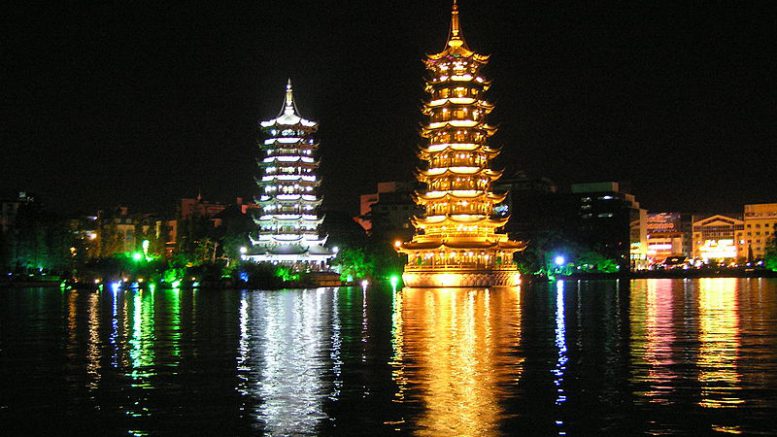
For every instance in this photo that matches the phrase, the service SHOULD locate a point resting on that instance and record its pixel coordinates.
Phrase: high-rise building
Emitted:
(456, 241)
(612, 222)
(288, 221)
(760, 227)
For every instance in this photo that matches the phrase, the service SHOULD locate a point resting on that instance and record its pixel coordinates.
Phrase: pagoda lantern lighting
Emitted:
(457, 197)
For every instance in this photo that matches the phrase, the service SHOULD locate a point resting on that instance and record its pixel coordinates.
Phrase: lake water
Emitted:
(691, 357)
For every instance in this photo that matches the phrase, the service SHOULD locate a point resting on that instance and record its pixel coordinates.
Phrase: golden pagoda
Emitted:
(456, 243)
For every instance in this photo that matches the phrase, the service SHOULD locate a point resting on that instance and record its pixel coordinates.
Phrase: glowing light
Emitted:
(176, 284)
(448, 279)
(365, 283)
(397, 244)
(394, 281)
(243, 250)
(145, 246)
(560, 260)
(137, 256)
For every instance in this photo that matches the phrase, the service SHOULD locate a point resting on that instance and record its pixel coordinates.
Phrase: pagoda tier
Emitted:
(289, 222)
(456, 241)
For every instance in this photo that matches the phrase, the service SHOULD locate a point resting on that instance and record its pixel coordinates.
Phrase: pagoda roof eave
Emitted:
(450, 102)
(424, 175)
(424, 198)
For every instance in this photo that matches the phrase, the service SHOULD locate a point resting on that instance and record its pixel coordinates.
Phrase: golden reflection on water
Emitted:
(452, 353)
(654, 336)
(719, 339)
(93, 352)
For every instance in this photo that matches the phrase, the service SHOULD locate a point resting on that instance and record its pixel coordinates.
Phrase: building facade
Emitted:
(386, 215)
(611, 222)
(716, 238)
(288, 220)
(669, 236)
(760, 224)
(456, 241)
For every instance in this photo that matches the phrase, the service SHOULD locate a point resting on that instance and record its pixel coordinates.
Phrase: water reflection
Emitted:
(686, 357)
(719, 340)
(561, 361)
(653, 339)
(452, 354)
(284, 340)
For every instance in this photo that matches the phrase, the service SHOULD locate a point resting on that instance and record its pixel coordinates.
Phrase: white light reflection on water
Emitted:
(561, 361)
(283, 350)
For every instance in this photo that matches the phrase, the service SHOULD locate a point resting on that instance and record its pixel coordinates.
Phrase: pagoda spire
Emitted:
(289, 107)
(455, 38)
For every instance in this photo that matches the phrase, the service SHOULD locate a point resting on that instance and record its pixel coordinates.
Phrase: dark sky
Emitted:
(142, 103)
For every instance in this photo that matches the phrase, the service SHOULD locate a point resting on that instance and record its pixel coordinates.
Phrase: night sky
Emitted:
(142, 103)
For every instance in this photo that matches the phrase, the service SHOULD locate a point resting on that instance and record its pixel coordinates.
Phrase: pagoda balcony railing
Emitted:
(467, 185)
(453, 267)
(437, 163)
(463, 136)
(451, 236)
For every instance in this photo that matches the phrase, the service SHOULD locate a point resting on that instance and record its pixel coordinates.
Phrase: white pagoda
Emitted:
(288, 220)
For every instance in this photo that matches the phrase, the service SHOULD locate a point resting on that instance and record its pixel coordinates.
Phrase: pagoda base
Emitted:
(461, 278)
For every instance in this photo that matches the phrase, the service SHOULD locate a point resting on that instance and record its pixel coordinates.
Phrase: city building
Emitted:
(760, 224)
(532, 204)
(612, 223)
(387, 213)
(117, 231)
(289, 222)
(456, 241)
(9, 209)
(668, 236)
(716, 238)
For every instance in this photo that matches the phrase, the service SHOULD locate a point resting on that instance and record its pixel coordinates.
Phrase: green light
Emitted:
(176, 284)
(394, 281)
(137, 256)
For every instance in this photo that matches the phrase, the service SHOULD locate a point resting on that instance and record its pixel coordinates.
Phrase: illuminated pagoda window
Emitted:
(288, 185)
(456, 243)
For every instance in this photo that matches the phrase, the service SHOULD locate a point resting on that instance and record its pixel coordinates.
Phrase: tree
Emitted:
(354, 263)
(770, 258)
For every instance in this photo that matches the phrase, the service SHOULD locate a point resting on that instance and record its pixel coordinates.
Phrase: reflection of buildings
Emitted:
(451, 352)
(760, 225)
(719, 339)
(456, 241)
(717, 237)
(653, 337)
(284, 341)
